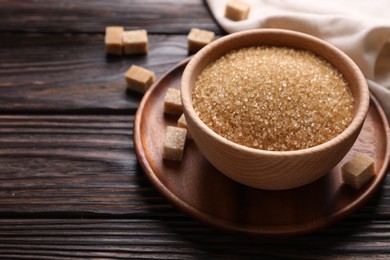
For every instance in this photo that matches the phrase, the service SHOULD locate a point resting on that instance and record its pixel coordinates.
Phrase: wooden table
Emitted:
(70, 184)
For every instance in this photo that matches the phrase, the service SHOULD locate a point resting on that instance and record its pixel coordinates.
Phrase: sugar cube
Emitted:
(237, 10)
(182, 122)
(139, 79)
(172, 102)
(358, 171)
(113, 40)
(174, 143)
(135, 42)
(198, 38)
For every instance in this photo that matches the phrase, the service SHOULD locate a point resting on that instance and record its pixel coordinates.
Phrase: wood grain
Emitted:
(71, 73)
(178, 237)
(70, 164)
(113, 211)
(66, 16)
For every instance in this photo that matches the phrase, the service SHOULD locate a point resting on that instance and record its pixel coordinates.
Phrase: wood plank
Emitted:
(181, 238)
(77, 164)
(157, 16)
(71, 73)
(82, 165)
(84, 168)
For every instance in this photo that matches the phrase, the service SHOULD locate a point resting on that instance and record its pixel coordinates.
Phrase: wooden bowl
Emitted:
(273, 170)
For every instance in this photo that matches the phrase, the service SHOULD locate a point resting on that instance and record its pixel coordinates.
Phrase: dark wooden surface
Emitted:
(70, 184)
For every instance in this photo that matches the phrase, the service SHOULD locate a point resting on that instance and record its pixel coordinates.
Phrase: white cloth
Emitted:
(360, 28)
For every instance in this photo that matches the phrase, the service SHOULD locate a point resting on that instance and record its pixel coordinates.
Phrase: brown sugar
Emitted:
(113, 40)
(139, 79)
(175, 139)
(198, 38)
(172, 102)
(358, 171)
(135, 42)
(182, 122)
(273, 98)
(237, 10)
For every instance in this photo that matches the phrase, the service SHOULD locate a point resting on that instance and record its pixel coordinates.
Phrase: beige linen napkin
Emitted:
(360, 28)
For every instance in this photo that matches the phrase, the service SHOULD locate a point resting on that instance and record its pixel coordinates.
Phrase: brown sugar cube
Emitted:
(182, 123)
(197, 39)
(172, 102)
(139, 79)
(113, 40)
(358, 171)
(174, 143)
(237, 10)
(135, 42)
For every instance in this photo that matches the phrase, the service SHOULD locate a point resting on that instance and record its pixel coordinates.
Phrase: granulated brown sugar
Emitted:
(273, 98)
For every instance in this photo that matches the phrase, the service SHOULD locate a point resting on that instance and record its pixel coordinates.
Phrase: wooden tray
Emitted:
(201, 191)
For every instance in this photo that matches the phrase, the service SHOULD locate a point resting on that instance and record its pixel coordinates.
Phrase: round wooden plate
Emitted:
(197, 188)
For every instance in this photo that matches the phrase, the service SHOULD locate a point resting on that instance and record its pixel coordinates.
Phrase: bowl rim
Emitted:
(355, 124)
